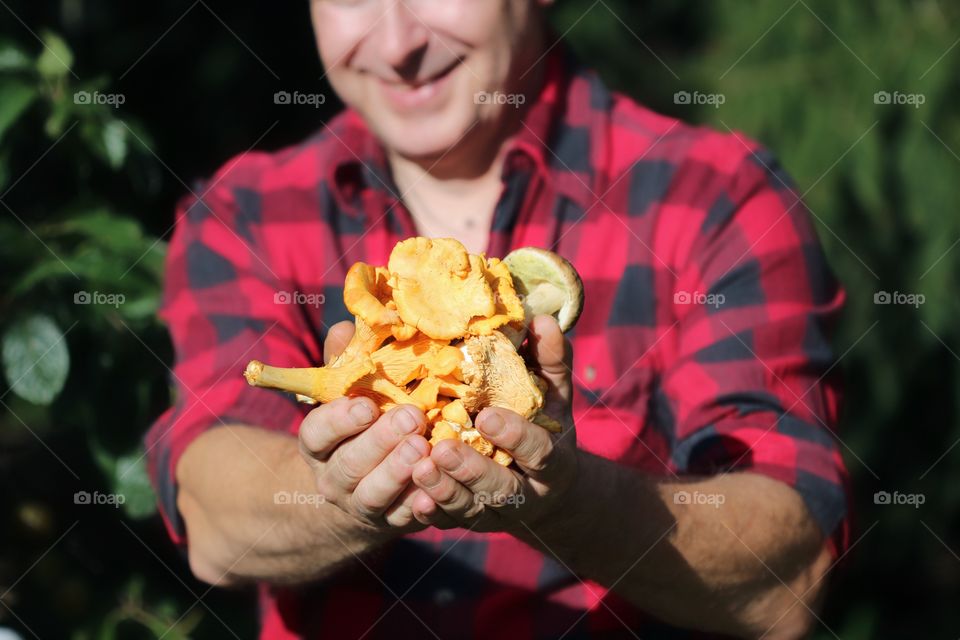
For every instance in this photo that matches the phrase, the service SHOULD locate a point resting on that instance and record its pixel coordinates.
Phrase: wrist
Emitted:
(563, 506)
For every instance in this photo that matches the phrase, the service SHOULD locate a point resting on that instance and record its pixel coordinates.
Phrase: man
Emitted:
(696, 485)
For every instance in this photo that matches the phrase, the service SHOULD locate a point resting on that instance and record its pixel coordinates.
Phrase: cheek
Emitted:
(337, 33)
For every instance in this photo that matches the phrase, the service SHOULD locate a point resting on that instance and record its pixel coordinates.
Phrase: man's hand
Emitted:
(363, 461)
(460, 487)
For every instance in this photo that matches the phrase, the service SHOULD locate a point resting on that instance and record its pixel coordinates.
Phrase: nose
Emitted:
(402, 38)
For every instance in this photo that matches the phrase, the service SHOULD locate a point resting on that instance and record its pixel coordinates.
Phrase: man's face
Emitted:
(414, 68)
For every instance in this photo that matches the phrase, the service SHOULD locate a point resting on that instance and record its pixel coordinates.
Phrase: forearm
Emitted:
(229, 478)
(732, 567)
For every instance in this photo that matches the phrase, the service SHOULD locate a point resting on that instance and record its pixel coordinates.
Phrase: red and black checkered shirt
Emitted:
(703, 346)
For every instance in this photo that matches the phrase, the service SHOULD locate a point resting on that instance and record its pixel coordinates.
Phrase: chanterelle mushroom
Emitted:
(439, 328)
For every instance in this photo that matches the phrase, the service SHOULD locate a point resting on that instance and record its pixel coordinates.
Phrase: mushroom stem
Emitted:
(322, 384)
(545, 298)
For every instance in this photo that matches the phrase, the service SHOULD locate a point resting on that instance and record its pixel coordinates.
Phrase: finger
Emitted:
(328, 425)
(337, 339)
(400, 513)
(353, 460)
(382, 486)
(455, 499)
(426, 511)
(530, 445)
(553, 354)
(489, 482)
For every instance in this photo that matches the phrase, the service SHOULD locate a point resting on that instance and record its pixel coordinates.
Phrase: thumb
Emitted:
(553, 354)
(338, 336)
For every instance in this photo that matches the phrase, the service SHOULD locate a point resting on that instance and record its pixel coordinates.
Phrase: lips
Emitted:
(418, 95)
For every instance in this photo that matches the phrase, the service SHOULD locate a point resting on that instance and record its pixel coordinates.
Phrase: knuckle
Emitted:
(326, 489)
(471, 472)
(445, 492)
(362, 506)
(325, 418)
(347, 465)
(536, 451)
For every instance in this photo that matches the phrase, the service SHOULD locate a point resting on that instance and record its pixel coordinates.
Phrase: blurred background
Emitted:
(109, 112)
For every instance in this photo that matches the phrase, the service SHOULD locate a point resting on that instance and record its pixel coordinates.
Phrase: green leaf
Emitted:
(107, 229)
(115, 143)
(35, 359)
(15, 97)
(12, 58)
(128, 477)
(56, 59)
(132, 481)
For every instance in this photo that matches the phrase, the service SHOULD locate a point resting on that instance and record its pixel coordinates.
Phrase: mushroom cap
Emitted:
(548, 285)
(366, 292)
(438, 287)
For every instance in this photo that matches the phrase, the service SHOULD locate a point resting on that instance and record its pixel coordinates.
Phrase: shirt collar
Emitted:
(359, 161)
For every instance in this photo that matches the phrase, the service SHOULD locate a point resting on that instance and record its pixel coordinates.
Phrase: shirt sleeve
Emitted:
(224, 304)
(754, 384)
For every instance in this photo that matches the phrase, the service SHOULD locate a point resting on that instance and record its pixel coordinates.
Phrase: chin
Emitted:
(425, 137)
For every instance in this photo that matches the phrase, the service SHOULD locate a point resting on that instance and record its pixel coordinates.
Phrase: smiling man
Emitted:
(697, 488)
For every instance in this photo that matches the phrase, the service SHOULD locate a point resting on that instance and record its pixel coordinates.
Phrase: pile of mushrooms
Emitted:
(439, 328)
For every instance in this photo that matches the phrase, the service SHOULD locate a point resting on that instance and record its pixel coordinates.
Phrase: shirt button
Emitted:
(590, 373)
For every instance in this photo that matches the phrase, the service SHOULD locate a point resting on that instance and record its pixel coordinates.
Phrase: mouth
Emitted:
(420, 93)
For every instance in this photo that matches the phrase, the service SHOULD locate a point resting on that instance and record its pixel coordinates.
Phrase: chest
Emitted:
(617, 405)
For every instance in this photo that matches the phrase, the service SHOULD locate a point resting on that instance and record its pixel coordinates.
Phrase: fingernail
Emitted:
(404, 422)
(361, 412)
(409, 452)
(492, 424)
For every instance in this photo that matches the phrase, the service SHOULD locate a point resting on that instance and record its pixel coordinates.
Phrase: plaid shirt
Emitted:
(703, 345)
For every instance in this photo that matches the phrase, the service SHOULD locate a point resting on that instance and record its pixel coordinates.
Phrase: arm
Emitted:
(348, 479)
(216, 479)
(235, 527)
(750, 565)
